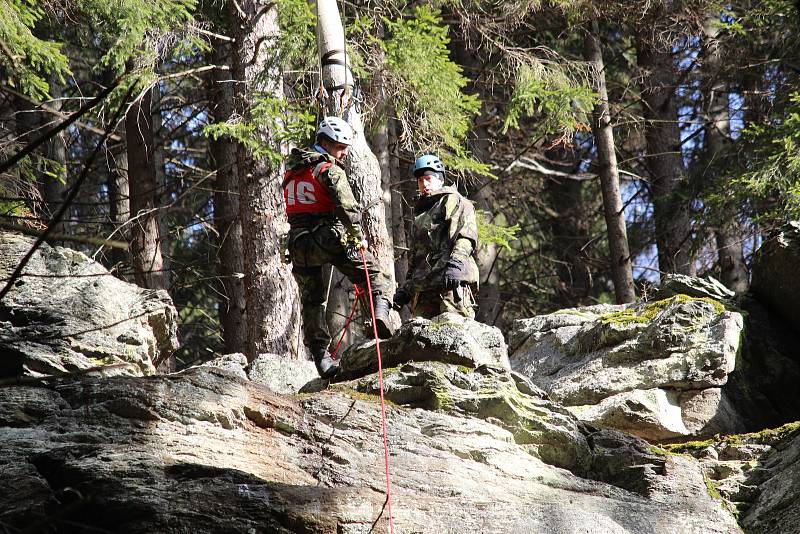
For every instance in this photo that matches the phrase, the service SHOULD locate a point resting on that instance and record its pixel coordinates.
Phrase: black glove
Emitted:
(454, 274)
(401, 298)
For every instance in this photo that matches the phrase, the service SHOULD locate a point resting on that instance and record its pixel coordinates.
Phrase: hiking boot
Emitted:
(327, 367)
(382, 322)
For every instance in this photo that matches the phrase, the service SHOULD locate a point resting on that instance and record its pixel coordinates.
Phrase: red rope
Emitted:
(359, 293)
(383, 404)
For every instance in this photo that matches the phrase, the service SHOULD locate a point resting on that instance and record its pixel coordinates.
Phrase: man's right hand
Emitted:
(354, 238)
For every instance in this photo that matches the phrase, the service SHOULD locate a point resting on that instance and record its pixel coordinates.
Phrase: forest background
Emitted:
(604, 143)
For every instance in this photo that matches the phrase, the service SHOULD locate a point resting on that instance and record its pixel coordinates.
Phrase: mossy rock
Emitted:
(768, 436)
(492, 394)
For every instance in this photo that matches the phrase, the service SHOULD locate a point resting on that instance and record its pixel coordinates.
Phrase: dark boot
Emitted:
(327, 367)
(382, 307)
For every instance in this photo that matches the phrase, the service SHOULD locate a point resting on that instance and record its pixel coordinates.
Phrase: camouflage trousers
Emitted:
(429, 304)
(310, 252)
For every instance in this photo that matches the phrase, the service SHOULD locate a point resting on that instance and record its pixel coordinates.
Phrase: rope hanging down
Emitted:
(359, 294)
(383, 404)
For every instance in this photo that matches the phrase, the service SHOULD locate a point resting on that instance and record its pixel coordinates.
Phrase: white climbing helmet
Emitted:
(336, 130)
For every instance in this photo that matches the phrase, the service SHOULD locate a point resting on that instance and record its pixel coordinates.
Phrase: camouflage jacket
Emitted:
(444, 228)
(347, 212)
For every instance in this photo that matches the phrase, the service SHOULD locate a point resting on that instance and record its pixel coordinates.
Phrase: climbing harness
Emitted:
(383, 404)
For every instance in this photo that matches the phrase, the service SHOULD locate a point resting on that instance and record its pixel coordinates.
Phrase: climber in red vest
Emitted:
(325, 228)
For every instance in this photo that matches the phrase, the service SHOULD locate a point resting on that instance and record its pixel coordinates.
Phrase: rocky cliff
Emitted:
(205, 451)
(68, 313)
(478, 442)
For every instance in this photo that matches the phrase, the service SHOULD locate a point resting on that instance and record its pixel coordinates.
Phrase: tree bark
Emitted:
(664, 160)
(621, 270)
(26, 126)
(160, 178)
(381, 142)
(230, 264)
(54, 187)
(728, 234)
(145, 230)
(270, 289)
(402, 190)
(119, 205)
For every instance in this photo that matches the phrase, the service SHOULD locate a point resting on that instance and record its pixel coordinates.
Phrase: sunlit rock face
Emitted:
(474, 444)
(68, 313)
(280, 374)
(656, 369)
(470, 450)
(448, 338)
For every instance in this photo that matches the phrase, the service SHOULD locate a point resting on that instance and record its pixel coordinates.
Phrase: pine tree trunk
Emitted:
(159, 168)
(664, 160)
(729, 234)
(401, 190)
(381, 143)
(119, 200)
(25, 126)
(54, 187)
(270, 289)
(145, 231)
(119, 206)
(621, 271)
(490, 305)
(230, 265)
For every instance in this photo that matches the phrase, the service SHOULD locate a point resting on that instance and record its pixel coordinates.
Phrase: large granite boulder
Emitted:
(490, 393)
(775, 282)
(206, 451)
(68, 313)
(654, 369)
(447, 338)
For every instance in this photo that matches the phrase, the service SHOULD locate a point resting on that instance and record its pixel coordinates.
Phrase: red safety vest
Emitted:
(304, 193)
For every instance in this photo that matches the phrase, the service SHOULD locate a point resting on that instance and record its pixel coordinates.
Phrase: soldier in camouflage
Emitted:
(325, 228)
(442, 269)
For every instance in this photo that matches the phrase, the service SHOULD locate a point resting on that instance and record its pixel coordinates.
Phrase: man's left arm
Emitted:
(463, 233)
(463, 227)
(347, 209)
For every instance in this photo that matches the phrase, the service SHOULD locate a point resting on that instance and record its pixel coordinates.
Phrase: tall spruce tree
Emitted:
(270, 289)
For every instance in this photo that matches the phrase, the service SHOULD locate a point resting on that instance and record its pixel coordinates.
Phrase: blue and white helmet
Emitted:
(336, 130)
(428, 162)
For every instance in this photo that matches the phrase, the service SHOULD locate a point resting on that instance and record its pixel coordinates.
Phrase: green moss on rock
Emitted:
(711, 487)
(647, 313)
(769, 435)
